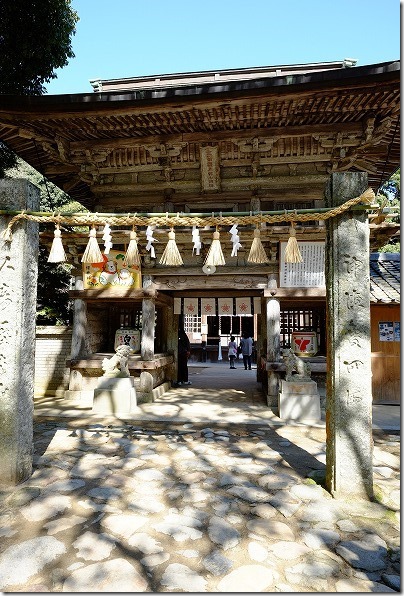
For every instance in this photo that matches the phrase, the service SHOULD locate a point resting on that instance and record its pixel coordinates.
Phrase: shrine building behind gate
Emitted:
(227, 148)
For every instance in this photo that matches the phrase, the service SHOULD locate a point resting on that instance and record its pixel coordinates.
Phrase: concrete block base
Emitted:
(115, 396)
(81, 398)
(299, 401)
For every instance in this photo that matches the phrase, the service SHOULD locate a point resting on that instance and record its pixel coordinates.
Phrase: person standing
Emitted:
(246, 345)
(184, 352)
(232, 351)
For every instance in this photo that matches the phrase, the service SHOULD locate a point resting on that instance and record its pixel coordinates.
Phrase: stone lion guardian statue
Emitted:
(296, 368)
(117, 365)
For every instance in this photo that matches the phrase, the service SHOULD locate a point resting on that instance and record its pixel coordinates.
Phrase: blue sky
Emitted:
(127, 38)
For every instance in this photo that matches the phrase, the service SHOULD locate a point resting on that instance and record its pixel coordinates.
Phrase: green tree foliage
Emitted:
(52, 198)
(35, 40)
(53, 304)
(8, 159)
(388, 198)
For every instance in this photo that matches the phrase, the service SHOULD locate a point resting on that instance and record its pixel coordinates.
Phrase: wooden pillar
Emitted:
(148, 323)
(349, 393)
(168, 328)
(273, 348)
(18, 291)
(172, 345)
(79, 330)
(164, 316)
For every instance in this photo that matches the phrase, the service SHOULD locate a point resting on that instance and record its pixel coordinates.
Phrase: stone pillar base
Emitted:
(115, 395)
(299, 401)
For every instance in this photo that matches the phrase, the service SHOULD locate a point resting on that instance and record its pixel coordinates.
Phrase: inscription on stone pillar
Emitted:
(349, 391)
(18, 289)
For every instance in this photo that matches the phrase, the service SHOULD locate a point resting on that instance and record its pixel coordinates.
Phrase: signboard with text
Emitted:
(310, 273)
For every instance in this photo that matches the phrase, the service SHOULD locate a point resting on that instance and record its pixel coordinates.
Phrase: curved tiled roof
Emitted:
(385, 277)
(275, 134)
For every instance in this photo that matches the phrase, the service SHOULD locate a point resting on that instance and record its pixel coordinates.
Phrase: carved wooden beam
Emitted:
(217, 136)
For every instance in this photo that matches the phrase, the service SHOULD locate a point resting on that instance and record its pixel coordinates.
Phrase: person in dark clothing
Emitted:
(246, 345)
(184, 351)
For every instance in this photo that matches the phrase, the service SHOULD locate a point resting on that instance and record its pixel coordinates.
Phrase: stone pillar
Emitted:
(273, 348)
(79, 330)
(18, 291)
(349, 471)
(262, 333)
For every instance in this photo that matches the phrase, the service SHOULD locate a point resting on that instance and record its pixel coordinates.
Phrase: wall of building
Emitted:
(52, 349)
(385, 342)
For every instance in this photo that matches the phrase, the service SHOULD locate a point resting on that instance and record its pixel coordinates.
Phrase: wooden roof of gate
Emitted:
(277, 137)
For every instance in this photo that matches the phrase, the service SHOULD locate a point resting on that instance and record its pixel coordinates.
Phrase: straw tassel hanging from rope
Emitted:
(57, 252)
(92, 254)
(257, 252)
(132, 256)
(171, 255)
(215, 254)
(292, 252)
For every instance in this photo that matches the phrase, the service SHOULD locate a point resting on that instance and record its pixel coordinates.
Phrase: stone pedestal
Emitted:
(299, 401)
(115, 395)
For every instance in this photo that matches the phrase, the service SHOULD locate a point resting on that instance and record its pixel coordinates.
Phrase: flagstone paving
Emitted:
(150, 507)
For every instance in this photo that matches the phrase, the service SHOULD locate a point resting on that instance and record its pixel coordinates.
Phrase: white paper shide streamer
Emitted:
(235, 238)
(106, 236)
(196, 240)
(150, 239)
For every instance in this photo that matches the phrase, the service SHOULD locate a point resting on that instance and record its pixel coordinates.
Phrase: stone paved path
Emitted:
(116, 507)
